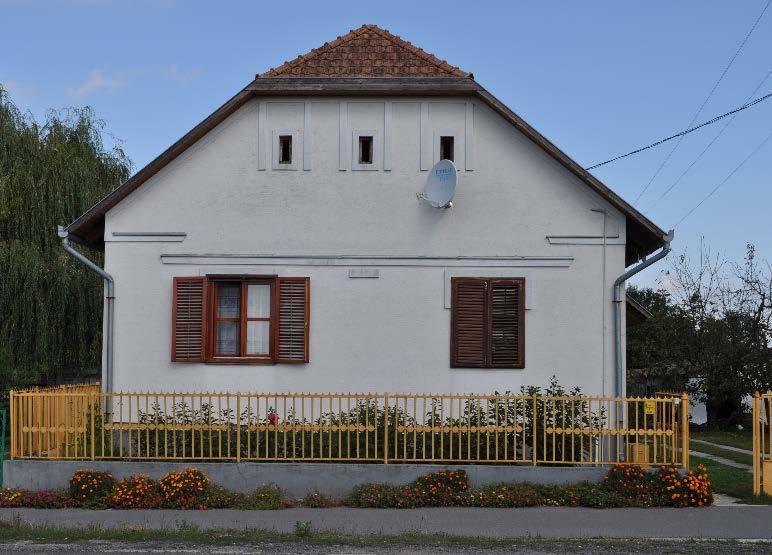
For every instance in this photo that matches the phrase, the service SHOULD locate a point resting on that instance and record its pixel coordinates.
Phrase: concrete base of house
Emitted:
(296, 479)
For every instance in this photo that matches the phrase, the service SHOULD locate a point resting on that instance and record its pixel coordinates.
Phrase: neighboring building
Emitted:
(280, 245)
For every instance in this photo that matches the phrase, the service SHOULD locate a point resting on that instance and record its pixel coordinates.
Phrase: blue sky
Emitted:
(597, 78)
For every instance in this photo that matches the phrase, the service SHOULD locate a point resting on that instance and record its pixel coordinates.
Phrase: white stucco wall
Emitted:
(385, 334)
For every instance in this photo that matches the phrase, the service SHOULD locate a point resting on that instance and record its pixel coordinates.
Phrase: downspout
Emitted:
(618, 299)
(107, 372)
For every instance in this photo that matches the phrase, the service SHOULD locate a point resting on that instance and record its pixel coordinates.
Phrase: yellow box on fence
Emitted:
(638, 454)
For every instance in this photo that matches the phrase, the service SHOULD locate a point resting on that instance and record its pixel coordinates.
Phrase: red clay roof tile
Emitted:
(366, 52)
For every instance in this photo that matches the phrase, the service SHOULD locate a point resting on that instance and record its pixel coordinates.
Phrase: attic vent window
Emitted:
(446, 148)
(365, 150)
(285, 149)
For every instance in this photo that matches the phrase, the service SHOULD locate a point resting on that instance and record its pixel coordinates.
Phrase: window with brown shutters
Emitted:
(487, 322)
(240, 319)
(188, 319)
(293, 320)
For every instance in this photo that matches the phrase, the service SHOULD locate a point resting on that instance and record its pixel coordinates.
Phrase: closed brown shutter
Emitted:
(292, 336)
(506, 301)
(188, 319)
(469, 316)
(487, 323)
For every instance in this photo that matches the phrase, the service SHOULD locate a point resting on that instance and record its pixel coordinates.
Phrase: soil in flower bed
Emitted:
(623, 486)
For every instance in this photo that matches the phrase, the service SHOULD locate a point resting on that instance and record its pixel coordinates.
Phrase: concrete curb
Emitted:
(549, 522)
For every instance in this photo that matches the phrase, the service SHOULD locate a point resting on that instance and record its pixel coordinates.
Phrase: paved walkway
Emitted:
(740, 522)
(722, 446)
(722, 460)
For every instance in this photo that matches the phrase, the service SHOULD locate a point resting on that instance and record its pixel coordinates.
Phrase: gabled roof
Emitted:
(366, 52)
(369, 61)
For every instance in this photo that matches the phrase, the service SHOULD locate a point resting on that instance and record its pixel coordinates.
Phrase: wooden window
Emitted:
(446, 148)
(240, 319)
(285, 149)
(365, 149)
(487, 323)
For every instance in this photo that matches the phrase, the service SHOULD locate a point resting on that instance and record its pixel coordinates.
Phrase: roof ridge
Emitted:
(353, 34)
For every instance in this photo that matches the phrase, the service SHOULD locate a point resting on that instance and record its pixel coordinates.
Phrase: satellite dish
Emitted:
(441, 184)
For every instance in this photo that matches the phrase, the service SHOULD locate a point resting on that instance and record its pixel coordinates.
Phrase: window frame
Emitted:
(377, 160)
(452, 140)
(211, 330)
(487, 321)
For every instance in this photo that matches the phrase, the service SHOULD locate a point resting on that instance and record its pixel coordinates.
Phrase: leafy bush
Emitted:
(503, 495)
(436, 489)
(693, 489)
(264, 498)
(51, 499)
(217, 497)
(89, 487)
(135, 492)
(316, 500)
(185, 489)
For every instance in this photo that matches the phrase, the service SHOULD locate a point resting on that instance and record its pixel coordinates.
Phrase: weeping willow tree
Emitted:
(50, 306)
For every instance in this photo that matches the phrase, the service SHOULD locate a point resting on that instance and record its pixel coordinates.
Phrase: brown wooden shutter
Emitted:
(293, 318)
(468, 343)
(506, 323)
(188, 319)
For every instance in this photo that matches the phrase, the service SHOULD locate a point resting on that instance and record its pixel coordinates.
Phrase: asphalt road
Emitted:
(738, 522)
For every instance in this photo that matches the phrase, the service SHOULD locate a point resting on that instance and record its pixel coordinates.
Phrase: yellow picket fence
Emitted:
(350, 427)
(762, 443)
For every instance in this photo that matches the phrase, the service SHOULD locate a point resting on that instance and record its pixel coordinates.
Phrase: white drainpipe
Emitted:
(107, 371)
(618, 299)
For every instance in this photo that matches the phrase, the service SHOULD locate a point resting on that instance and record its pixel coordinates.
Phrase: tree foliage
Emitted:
(51, 307)
(711, 332)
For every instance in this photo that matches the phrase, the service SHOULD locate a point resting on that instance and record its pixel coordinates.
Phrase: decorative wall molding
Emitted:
(365, 260)
(147, 237)
(583, 240)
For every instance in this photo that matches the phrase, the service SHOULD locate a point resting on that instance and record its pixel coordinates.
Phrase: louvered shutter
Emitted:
(293, 318)
(188, 319)
(506, 326)
(469, 323)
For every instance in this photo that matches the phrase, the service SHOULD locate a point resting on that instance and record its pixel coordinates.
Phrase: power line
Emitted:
(710, 144)
(707, 98)
(685, 131)
(727, 178)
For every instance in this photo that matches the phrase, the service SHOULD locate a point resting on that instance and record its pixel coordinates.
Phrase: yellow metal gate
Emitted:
(762, 443)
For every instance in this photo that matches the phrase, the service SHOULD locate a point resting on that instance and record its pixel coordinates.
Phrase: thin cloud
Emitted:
(174, 73)
(96, 82)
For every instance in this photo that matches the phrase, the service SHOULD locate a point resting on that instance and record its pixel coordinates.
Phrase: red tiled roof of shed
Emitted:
(367, 52)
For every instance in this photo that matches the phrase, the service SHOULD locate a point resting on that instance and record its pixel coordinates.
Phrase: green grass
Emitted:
(731, 455)
(731, 481)
(743, 440)
(191, 535)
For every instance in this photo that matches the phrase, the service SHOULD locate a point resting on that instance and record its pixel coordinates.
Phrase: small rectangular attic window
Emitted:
(365, 150)
(285, 149)
(446, 148)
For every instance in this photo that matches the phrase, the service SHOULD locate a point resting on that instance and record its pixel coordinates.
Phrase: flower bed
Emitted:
(624, 486)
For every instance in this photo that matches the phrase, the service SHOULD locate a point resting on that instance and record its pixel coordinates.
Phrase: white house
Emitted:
(280, 244)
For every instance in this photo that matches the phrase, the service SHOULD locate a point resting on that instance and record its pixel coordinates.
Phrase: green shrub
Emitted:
(316, 500)
(264, 498)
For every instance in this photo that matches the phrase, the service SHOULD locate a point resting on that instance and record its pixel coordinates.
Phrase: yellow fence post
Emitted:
(756, 426)
(238, 427)
(12, 402)
(386, 428)
(685, 430)
(91, 409)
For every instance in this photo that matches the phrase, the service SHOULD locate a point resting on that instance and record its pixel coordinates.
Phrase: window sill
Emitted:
(240, 360)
